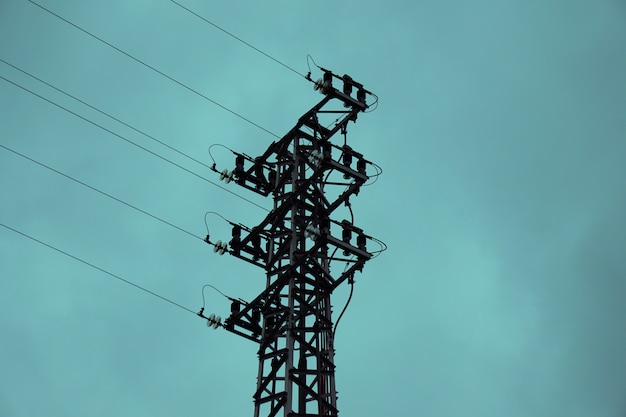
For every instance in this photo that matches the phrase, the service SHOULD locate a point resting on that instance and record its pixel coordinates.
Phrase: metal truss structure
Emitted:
(309, 177)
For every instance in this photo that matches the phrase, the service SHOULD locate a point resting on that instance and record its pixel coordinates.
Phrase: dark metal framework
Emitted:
(309, 178)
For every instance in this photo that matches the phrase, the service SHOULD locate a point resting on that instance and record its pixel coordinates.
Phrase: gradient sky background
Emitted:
(501, 131)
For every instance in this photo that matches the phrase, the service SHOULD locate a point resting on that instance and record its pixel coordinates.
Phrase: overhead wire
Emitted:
(76, 258)
(379, 171)
(99, 191)
(217, 214)
(351, 212)
(131, 142)
(118, 120)
(309, 57)
(154, 69)
(375, 104)
(215, 288)
(237, 38)
(104, 113)
(383, 247)
(211, 156)
(345, 307)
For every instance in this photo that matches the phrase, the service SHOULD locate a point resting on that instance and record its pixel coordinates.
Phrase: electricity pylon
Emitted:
(309, 178)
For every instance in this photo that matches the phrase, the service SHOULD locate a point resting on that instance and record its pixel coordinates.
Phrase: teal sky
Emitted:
(501, 130)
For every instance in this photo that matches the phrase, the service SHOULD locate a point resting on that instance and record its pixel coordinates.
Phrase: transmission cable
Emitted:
(99, 191)
(105, 113)
(155, 70)
(206, 224)
(237, 38)
(132, 143)
(215, 288)
(351, 281)
(76, 258)
(308, 64)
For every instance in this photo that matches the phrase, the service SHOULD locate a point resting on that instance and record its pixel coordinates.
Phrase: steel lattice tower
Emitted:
(309, 177)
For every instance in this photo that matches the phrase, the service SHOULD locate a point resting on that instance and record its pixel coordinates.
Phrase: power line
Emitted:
(132, 143)
(155, 70)
(76, 258)
(345, 307)
(237, 38)
(215, 288)
(99, 191)
(104, 113)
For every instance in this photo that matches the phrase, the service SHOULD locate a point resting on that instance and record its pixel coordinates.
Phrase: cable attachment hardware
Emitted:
(227, 175)
(220, 247)
(211, 321)
(214, 321)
